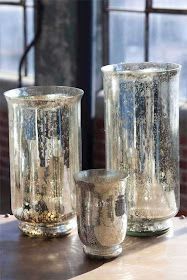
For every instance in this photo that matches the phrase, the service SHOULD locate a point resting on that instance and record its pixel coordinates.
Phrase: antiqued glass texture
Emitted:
(44, 135)
(141, 121)
(101, 211)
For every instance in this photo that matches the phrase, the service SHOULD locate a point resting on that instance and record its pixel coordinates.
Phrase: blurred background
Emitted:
(65, 42)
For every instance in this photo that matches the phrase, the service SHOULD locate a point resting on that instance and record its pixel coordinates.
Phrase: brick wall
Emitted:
(4, 163)
(183, 158)
(99, 147)
(99, 134)
(4, 150)
(99, 144)
(5, 205)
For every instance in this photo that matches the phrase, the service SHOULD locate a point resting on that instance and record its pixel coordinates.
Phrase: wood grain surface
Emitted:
(26, 258)
(23, 258)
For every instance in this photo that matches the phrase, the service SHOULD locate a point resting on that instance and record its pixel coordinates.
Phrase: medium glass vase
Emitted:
(141, 122)
(101, 211)
(45, 149)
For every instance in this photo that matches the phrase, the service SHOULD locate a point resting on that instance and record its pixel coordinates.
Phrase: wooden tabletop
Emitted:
(21, 257)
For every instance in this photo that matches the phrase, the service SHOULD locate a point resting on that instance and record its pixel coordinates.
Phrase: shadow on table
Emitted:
(34, 258)
(58, 258)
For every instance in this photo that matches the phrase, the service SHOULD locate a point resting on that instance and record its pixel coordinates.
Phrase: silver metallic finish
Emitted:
(141, 121)
(45, 149)
(101, 211)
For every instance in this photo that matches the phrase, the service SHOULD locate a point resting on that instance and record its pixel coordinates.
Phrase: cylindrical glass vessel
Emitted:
(45, 149)
(141, 121)
(101, 211)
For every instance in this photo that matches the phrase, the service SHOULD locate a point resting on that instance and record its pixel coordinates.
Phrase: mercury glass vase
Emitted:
(141, 122)
(45, 147)
(101, 211)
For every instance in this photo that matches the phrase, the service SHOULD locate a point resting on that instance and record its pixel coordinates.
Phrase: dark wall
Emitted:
(56, 49)
(63, 55)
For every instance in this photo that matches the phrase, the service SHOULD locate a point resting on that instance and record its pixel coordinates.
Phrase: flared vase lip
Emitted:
(100, 176)
(43, 93)
(141, 67)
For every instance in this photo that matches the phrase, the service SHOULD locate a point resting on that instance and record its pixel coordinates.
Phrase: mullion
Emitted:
(150, 10)
(146, 29)
(20, 3)
(25, 36)
(168, 11)
(124, 10)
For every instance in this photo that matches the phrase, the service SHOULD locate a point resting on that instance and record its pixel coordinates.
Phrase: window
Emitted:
(16, 32)
(147, 30)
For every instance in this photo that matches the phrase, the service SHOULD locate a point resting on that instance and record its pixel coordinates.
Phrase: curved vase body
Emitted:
(141, 121)
(45, 139)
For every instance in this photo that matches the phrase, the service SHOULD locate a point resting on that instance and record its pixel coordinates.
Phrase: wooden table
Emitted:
(21, 257)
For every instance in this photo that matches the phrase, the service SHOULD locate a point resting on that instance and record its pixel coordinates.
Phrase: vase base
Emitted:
(103, 253)
(148, 228)
(35, 230)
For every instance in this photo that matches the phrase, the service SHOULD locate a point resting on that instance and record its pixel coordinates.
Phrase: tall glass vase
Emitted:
(45, 149)
(141, 122)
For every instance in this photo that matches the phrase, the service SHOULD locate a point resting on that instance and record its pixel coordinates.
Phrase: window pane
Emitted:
(29, 2)
(171, 4)
(127, 4)
(168, 42)
(126, 37)
(11, 38)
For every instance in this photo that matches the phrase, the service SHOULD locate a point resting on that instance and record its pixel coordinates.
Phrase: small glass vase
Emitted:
(101, 212)
(141, 122)
(45, 142)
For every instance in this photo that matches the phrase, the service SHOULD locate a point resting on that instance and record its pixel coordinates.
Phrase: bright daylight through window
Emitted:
(149, 30)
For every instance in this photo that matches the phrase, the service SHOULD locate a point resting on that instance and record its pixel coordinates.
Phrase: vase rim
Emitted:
(43, 93)
(100, 176)
(141, 67)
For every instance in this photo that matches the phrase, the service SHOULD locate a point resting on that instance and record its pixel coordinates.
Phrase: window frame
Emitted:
(149, 9)
(12, 77)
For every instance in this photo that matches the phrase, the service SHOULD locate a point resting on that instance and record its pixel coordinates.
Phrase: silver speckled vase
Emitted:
(45, 141)
(141, 121)
(101, 211)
